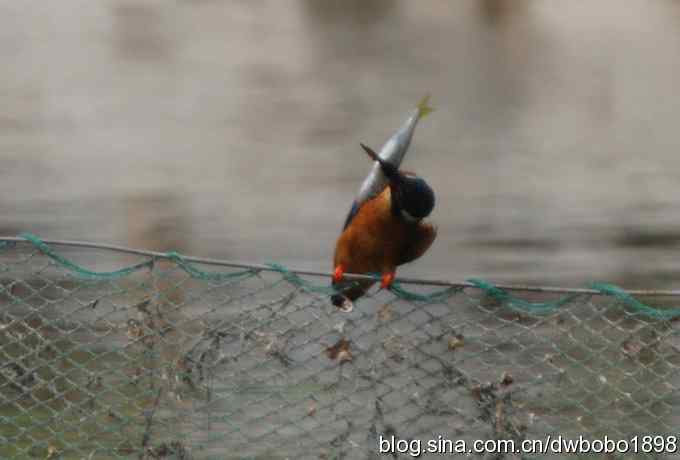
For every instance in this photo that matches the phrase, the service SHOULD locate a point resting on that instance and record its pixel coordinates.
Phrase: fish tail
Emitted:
(424, 107)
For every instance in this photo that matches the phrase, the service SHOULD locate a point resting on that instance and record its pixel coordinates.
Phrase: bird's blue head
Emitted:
(412, 198)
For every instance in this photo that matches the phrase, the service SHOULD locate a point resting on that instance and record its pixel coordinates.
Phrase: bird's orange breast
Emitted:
(375, 239)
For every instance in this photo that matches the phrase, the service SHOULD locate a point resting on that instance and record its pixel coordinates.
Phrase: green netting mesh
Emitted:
(169, 359)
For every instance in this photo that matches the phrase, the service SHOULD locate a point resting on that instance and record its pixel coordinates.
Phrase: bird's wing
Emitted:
(352, 212)
(425, 234)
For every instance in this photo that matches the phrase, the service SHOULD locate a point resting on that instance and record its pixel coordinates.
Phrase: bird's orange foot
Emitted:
(338, 273)
(387, 280)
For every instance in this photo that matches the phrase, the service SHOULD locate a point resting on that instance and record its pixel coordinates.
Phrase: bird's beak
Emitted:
(371, 153)
(387, 168)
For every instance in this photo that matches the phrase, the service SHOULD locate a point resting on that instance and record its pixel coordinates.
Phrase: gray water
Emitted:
(231, 129)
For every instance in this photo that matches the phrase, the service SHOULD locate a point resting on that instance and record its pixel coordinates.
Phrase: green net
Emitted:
(166, 358)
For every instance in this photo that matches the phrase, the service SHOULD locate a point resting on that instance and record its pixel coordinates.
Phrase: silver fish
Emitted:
(392, 151)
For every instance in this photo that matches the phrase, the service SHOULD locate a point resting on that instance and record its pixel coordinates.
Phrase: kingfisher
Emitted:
(386, 225)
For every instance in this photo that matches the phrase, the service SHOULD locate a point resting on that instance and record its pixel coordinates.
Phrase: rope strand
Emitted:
(499, 292)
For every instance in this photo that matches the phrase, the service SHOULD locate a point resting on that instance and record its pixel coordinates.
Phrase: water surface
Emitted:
(231, 129)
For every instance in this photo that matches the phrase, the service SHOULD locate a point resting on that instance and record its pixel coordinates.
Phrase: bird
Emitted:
(383, 232)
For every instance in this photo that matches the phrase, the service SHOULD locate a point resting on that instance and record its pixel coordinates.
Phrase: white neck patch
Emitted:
(408, 217)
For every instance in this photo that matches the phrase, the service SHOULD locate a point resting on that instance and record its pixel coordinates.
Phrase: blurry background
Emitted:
(231, 129)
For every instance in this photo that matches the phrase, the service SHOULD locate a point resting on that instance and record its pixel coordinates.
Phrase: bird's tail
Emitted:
(341, 301)
(424, 107)
(347, 292)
